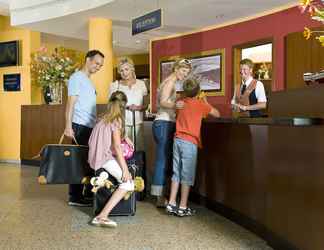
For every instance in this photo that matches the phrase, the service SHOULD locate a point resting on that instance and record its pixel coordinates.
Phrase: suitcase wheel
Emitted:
(85, 180)
(42, 179)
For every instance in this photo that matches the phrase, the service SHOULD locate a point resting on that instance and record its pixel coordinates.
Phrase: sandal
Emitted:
(102, 222)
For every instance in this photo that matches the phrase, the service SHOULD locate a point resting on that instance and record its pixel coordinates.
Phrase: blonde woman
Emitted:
(106, 138)
(137, 96)
(164, 128)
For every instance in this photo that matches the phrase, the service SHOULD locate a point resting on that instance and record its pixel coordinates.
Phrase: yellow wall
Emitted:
(10, 102)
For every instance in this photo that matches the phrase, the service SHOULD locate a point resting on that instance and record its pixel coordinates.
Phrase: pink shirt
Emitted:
(100, 144)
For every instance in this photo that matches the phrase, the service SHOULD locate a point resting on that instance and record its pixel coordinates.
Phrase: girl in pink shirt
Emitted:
(106, 138)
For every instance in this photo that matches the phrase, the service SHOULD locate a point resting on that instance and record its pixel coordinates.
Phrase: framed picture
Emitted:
(207, 67)
(11, 82)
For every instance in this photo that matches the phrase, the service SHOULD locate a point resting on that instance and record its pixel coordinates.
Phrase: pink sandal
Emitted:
(102, 222)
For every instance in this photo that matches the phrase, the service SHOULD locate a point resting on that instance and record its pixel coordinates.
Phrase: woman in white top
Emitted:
(136, 93)
(164, 128)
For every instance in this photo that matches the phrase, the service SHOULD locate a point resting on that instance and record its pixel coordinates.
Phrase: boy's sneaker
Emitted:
(171, 209)
(186, 212)
(80, 203)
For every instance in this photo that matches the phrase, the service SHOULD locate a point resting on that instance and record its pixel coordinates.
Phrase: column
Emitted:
(100, 38)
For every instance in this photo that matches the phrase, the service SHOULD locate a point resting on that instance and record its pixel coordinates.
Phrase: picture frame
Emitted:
(12, 82)
(9, 54)
(207, 66)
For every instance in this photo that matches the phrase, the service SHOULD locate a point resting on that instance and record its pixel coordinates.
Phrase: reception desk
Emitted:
(266, 174)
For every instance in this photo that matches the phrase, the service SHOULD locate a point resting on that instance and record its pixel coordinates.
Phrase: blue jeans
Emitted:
(163, 132)
(184, 161)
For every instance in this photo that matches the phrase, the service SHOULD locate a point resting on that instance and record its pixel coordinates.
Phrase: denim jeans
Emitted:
(163, 132)
(184, 161)
(82, 135)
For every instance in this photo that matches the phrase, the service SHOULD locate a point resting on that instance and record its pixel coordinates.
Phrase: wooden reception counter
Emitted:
(266, 174)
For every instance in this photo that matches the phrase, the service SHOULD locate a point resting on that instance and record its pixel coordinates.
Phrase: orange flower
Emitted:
(307, 33)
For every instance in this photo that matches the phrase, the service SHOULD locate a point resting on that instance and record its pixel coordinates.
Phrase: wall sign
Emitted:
(147, 22)
(11, 82)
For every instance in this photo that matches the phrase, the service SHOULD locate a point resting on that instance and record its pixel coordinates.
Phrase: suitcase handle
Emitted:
(134, 129)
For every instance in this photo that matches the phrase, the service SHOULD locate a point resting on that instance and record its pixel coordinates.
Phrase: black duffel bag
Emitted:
(64, 164)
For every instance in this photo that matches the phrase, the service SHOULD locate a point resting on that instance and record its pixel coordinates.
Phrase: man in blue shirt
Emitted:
(80, 115)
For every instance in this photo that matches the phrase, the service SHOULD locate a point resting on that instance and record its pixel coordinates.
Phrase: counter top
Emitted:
(279, 121)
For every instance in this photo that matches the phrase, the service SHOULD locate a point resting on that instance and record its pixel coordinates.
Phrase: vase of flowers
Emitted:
(51, 71)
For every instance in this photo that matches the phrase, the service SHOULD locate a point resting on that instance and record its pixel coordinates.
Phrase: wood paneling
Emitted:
(40, 125)
(302, 56)
(301, 102)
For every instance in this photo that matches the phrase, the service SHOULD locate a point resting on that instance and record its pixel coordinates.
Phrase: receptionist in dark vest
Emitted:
(249, 96)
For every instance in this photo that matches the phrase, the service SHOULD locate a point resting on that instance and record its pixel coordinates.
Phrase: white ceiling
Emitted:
(4, 7)
(178, 16)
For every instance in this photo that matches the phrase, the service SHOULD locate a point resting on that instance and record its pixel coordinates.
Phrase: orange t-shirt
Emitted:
(189, 119)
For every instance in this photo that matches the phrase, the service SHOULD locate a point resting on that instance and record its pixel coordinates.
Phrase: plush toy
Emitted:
(138, 187)
(100, 181)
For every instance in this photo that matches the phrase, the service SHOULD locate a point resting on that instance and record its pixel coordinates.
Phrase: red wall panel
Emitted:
(275, 26)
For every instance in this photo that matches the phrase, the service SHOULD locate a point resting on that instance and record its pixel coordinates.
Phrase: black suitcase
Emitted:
(139, 160)
(124, 207)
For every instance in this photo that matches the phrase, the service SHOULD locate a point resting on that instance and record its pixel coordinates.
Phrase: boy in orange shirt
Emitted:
(185, 147)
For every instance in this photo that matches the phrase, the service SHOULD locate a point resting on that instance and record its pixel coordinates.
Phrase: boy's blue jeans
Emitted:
(163, 132)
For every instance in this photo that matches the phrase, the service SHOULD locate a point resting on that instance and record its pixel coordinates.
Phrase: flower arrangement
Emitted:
(316, 10)
(51, 71)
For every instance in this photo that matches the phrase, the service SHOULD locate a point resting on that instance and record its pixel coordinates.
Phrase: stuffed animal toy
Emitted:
(138, 187)
(100, 181)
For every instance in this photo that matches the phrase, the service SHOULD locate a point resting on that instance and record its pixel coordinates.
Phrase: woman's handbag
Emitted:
(127, 149)
(64, 164)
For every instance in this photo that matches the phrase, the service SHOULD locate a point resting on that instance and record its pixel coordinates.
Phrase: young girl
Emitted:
(105, 152)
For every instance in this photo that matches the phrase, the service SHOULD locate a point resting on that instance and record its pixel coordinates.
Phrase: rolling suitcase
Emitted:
(139, 161)
(124, 207)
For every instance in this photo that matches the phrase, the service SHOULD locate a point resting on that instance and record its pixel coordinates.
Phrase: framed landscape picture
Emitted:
(207, 67)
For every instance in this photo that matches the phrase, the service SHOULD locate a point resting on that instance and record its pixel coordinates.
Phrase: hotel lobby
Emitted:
(259, 180)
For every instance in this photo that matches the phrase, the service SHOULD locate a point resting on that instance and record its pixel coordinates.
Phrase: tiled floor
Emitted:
(37, 217)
